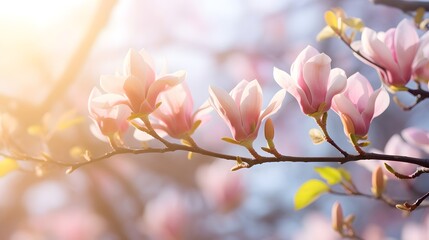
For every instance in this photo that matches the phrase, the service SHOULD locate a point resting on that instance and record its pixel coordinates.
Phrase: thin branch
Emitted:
(388, 201)
(405, 6)
(322, 124)
(411, 207)
(419, 171)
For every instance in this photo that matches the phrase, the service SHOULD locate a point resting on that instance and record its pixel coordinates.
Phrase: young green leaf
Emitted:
(329, 174)
(309, 192)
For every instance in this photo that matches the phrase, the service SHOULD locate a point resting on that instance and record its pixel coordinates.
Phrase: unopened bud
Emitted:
(269, 130)
(337, 217)
(378, 182)
(316, 136)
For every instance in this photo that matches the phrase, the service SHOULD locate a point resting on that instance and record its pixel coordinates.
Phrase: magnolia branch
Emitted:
(247, 162)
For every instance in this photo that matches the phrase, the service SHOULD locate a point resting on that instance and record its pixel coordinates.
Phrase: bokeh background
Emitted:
(52, 54)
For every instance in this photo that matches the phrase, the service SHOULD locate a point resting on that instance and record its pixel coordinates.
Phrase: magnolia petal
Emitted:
(135, 65)
(298, 64)
(237, 92)
(223, 103)
(343, 106)
(135, 91)
(282, 78)
(337, 84)
(371, 106)
(113, 84)
(147, 58)
(108, 100)
(274, 105)
(94, 93)
(250, 106)
(316, 75)
(163, 84)
(406, 42)
(376, 50)
(302, 99)
(382, 102)
(358, 90)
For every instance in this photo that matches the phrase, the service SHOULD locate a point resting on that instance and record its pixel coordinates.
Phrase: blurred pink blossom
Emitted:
(359, 104)
(417, 137)
(139, 86)
(109, 120)
(393, 50)
(395, 146)
(221, 187)
(416, 231)
(312, 82)
(166, 217)
(68, 224)
(241, 108)
(175, 114)
(315, 226)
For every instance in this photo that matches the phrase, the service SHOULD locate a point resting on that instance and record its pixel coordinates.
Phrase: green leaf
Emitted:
(389, 168)
(325, 33)
(332, 20)
(331, 175)
(355, 23)
(7, 165)
(309, 192)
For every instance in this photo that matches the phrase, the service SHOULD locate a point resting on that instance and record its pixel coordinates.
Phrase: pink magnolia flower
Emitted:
(312, 82)
(241, 108)
(175, 115)
(109, 119)
(359, 104)
(393, 50)
(421, 60)
(417, 137)
(138, 87)
(221, 187)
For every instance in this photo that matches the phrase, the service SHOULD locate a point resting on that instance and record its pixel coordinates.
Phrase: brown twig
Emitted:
(322, 124)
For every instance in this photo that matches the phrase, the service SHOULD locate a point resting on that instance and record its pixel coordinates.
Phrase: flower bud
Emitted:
(337, 217)
(317, 137)
(378, 182)
(269, 130)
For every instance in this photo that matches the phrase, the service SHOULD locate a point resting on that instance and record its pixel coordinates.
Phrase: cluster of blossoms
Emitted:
(140, 93)
(397, 54)
(163, 104)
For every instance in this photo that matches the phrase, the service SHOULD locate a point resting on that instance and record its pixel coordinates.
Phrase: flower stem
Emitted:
(321, 121)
